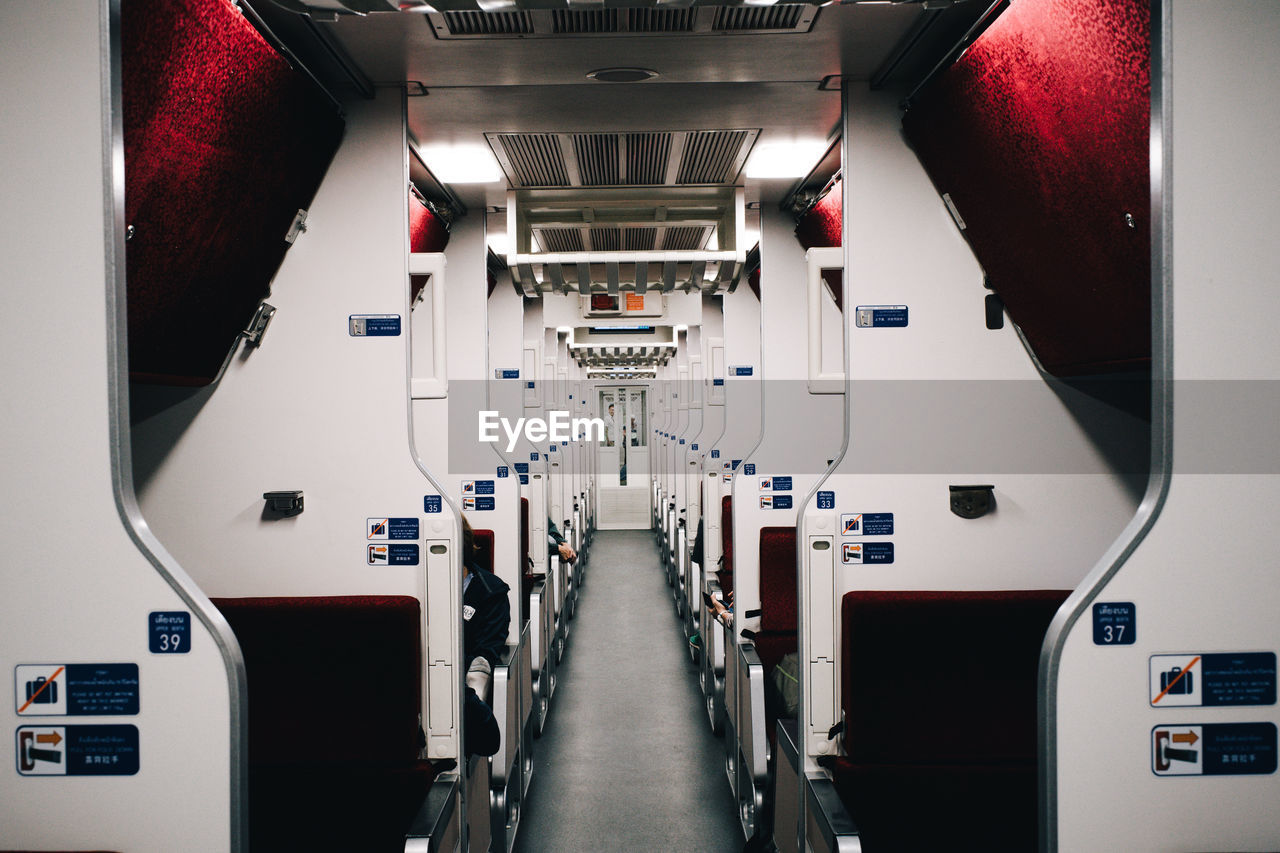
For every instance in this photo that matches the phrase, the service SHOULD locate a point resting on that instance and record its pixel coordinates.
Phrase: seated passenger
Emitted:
(555, 539)
(480, 729)
(486, 617)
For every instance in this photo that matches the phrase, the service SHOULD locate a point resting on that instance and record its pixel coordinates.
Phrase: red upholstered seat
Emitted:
(778, 606)
(939, 694)
(725, 573)
(334, 740)
(484, 548)
(526, 574)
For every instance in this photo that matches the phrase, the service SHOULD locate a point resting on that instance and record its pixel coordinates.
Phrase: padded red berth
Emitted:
(223, 143)
(939, 692)
(334, 739)
(1039, 134)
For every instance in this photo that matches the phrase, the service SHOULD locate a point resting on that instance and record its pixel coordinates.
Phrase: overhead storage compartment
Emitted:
(1038, 139)
(225, 144)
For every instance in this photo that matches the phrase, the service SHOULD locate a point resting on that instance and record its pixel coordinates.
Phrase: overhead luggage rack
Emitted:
(607, 240)
(615, 356)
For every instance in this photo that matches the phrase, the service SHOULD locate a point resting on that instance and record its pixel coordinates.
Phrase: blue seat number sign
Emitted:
(1115, 623)
(432, 503)
(169, 632)
(826, 500)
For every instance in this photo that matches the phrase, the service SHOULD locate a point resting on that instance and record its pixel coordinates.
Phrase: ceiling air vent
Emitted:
(535, 158)
(660, 20)
(570, 22)
(650, 159)
(709, 156)
(597, 155)
(634, 21)
(606, 239)
(638, 239)
(492, 24)
(560, 239)
(647, 157)
(684, 239)
(783, 17)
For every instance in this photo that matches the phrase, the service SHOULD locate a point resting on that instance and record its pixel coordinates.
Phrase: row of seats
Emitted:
(335, 737)
(908, 747)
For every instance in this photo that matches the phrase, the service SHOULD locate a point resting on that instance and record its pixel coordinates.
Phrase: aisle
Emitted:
(628, 761)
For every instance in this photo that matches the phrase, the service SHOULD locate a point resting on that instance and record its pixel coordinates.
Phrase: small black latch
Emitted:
(972, 501)
(283, 503)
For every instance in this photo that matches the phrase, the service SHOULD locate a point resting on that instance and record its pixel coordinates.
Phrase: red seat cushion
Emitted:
(336, 809)
(913, 808)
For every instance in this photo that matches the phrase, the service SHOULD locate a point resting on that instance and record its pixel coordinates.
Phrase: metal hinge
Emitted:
(951, 208)
(258, 325)
(296, 227)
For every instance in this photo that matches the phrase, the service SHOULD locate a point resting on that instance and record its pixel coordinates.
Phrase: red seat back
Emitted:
(725, 573)
(778, 606)
(943, 677)
(325, 672)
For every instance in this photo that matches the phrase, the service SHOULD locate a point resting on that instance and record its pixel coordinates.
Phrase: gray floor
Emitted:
(627, 761)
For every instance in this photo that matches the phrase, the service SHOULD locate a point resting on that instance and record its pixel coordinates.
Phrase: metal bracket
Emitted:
(258, 325)
(972, 501)
(296, 227)
(284, 503)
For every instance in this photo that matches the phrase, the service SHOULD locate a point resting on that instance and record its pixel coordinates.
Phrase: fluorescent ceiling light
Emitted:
(784, 159)
(497, 241)
(461, 164)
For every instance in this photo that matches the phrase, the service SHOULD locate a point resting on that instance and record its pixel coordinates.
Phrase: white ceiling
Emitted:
(706, 81)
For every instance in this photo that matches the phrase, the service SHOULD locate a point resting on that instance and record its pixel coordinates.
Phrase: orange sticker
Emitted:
(635, 301)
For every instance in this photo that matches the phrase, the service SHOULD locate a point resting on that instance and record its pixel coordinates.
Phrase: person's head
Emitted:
(611, 408)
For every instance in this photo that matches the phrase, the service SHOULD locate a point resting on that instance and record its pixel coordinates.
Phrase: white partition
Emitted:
(942, 401)
(1192, 584)
(318, 409)
(84, 579)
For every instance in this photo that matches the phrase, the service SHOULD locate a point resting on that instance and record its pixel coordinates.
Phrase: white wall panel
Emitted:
(81, 572)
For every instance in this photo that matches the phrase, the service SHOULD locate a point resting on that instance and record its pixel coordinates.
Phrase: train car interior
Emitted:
(633, 425)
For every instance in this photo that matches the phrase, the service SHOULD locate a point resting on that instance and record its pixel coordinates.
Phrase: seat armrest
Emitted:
(751, 734)
(506, 710)
(827, 817)
(787, 740)
(537, 614)
(435, 828)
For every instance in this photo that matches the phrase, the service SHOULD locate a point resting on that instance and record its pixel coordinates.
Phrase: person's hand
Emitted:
(566, 553)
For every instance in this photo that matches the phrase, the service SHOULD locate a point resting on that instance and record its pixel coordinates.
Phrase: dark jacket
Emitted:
(486, 617)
